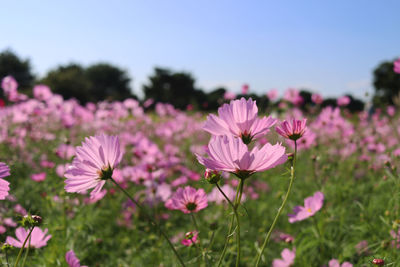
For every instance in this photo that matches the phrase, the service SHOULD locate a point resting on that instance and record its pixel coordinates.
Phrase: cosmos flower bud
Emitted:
(212, 176)
(214, 226)
(387, 164)
(29, 221)
(6, 247)
(379, 262)
(37, 219)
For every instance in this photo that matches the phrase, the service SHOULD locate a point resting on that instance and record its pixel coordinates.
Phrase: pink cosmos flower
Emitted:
(188, 200)
(9, 222)
(240, 119)
(65, 151)
(38, 177)
(396, 238)
(336, 263)
(287, 258)
(47, 164)
(311, 206)
(272, 94)
(96, 198)
(317, 99)
(396, 66)
(94, 163)
(42, 92)
(72, 260)
(245, 89)
(4, 185)
(38, 238)
(229, 96)
(19, 209)
(293, 96)
(216, 196)
(9, 85)
(362, 247)
(190, 238)
(282, 237)
(230, 154)
(343, 101)
(292, 131)
(391, 110)
(148, 102)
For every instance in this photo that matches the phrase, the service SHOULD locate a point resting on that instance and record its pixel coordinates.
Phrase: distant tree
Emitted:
(108, 82)
(329, 102)
(176, 88)
(263, 103)
(306, 95)
(386, 83)
(70, 81)
(215, 98)
(96, 83)
(20, 69)
(355, 105)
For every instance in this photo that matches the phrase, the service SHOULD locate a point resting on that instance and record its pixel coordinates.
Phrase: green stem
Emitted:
(22, 248)
(211, 240)
(241, 184)
(226, 197)
(152, 222)
(229, 234)
(292, 176)
(202, 253)
(8, 264)
(197, 247)
(194, 221)
(316, 227)
(27, 252)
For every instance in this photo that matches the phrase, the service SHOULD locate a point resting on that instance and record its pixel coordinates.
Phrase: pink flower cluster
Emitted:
(4, 185)
(396, 66)
(237, 125)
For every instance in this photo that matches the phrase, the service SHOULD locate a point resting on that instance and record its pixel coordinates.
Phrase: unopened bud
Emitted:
(6, 247)
(213, 226)
(379, 262)
(37, 219)
(387, 164)
(29, 221)
(212, 176)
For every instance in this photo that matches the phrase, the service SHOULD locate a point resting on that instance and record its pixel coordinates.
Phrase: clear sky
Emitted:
(330, 47)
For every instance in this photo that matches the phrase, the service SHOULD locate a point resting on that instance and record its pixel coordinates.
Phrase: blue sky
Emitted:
(330, 47)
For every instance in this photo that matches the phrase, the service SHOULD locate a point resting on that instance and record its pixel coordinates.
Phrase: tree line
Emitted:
(104, 81)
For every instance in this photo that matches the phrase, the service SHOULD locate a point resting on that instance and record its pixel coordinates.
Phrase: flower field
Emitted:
(116, 184)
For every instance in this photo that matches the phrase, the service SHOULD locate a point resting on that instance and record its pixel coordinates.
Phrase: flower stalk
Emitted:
(23, 246)
(292, 176)
(234, 207)
(152, 222)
